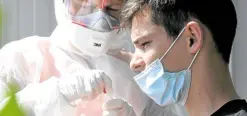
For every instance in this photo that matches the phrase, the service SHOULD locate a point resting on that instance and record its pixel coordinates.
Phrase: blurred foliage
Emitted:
(12, 108)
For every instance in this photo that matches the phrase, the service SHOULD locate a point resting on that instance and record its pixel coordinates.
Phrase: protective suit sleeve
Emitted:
(46, 99)
(39, 99)
(19, 65)
(11, 59)
(3, 89)
(42, 99)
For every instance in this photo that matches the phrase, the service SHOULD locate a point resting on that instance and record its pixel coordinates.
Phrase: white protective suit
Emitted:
(32, 60)
(119, 107)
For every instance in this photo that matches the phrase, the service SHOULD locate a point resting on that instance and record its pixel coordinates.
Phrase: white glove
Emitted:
(117, 107)
(85, 85)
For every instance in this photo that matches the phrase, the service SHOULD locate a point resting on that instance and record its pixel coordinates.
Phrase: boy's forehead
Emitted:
(141, 25)
(141, 18)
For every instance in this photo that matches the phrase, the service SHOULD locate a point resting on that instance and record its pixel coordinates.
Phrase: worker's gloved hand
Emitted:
(86, 84)
(117, 107)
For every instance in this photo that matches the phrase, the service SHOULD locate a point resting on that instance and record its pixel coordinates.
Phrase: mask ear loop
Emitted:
(173, 43)
(193, 60)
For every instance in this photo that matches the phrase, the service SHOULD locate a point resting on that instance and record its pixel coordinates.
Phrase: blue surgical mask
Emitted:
(165, 87)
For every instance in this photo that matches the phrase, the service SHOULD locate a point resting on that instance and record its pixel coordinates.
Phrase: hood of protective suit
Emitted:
(81, 40)
(60, 11)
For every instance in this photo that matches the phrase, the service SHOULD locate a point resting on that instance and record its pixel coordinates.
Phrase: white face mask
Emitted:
(89, 42)
(85, 40)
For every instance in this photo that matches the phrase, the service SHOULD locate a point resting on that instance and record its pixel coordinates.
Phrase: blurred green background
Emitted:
(11, 108)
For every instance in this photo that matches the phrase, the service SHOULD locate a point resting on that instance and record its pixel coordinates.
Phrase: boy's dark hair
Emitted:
(219, 16)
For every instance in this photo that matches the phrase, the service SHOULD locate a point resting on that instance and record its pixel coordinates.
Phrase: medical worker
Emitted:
(58, 73)
(183, 50)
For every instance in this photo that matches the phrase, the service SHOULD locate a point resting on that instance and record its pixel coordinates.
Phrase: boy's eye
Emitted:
(145, 45)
